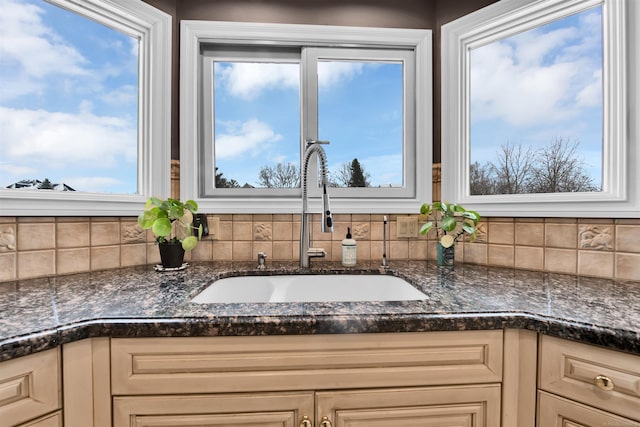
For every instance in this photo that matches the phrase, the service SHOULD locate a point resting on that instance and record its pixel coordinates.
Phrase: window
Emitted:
(535, 104)
(78, 120)
(259, 90)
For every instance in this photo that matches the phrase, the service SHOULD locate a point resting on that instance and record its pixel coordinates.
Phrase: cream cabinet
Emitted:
(30, 388)
(381, 380)
(583, 385)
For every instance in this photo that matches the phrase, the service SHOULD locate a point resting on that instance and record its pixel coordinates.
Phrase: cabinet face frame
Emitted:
(31, 386)
(557, 411)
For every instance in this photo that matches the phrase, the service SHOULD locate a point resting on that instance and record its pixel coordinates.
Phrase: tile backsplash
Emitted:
(45, 246)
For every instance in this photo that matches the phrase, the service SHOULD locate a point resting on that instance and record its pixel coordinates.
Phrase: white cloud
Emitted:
(61, 139)
(334, 72)
(18, 170)
(244, 138)
(537, 78)
(36, 48)
(93, 184)
(247, 80)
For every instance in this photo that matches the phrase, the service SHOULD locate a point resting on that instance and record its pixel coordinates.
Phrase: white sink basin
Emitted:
(309, 288)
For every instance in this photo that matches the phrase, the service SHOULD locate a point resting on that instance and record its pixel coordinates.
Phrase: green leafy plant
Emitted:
(164, 216)
(451, 222)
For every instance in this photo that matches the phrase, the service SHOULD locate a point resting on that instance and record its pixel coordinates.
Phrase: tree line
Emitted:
(554, 168)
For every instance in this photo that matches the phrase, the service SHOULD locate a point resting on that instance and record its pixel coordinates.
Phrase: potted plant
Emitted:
(451, 222)
(171, 222)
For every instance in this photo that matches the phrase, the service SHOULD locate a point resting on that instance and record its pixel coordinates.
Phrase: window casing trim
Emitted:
(153, 28)
(620, 196)
(195, 33)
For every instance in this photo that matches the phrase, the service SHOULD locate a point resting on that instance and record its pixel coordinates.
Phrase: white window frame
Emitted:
(153, 28)
(621, 149)
(195, 33)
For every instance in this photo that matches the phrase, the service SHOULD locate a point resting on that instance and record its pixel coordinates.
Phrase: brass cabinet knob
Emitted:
(325, 422)
(603, 383)
(305, 422)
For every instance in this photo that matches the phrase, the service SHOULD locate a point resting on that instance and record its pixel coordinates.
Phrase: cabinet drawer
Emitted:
(276, 363)
(570, 369)
(29, 387)
(556, 411)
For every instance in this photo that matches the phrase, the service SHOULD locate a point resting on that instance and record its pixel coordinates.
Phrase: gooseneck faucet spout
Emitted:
(313, 147)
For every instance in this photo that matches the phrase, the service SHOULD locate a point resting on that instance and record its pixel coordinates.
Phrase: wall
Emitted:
(35, 247)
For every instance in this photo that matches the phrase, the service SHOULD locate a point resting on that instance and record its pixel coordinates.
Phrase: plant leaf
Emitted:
(191, 205)
(161, 227)
(189, 243)
(146, 218)
(426, 227)
(448, 224)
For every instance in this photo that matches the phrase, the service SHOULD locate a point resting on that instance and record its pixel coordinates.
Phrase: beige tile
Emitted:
(336, 217)
(377, 231)
(628, 266)
(203, 251)
(75, 260)
(560, 260)
(418, 249)
(336, 251)
(363, 250)
(475, 253)
(296, 231)
(360, 230)
(529, 220)
(153, 254)
(133, 254)
(242, 217)
(501, 233)
(561, 235)
(242, 231)
(399, 250)
(628, 221)
(242, 251)
(317, 234)
(529, 234)
(131, 232)
(501, 255)
(8, 238)
(262, 231)
(8, 220)
(596, 237)
(527, 257)
(32, 219)
(36, 264)
(262, 218)
(361, 218)
(595, 263)
(628, 238)
(340, 231)
(266, 247)
(499, 219)
(33, 236)
(72, 235)
(601, 221)
(561, 220)
(282, 231)
(282, 217)
(282, 250)
(432, 251)
(483, 231)
(105, 233)
(73, 219)
(222, 250)
(296, 250)
(226, 231)
(105, 257)
(8, 266)
(376, 250)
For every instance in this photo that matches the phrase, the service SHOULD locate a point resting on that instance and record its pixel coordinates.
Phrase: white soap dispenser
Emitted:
(348, 250)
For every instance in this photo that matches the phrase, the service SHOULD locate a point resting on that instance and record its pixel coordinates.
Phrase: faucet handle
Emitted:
(310, 141)
(262, 260)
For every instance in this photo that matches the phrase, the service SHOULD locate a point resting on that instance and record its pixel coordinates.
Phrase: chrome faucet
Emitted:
(385, 263)
(306, 253)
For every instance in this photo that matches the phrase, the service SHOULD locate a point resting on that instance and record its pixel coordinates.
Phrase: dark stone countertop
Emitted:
(139, 302)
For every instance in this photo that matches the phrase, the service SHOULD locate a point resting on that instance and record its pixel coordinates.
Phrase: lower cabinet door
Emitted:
(554, 411)
(468, 406)
(53, 420)
(264, 410)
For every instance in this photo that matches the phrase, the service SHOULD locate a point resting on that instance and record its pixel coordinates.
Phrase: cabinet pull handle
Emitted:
(603, 383)
(325, 422)
(305, 422)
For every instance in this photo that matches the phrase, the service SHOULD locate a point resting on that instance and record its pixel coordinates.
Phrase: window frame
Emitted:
(621, 194)
(196, 33)
(153, 28)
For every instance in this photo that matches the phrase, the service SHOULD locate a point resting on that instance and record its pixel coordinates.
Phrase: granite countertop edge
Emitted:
(325, 318)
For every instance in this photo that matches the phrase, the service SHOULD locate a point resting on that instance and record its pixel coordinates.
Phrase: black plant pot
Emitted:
(171, 255)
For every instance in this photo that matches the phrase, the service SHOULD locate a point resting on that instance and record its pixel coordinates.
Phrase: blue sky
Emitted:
(257, 117)
(68, 99)
(539, 85)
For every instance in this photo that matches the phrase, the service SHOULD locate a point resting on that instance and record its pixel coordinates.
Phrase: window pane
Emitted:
(536, 109)
(257, 124)
(69, 101)
(360, 110)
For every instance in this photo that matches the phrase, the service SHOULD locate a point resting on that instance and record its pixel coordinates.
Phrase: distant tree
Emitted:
(350, 174)
(481, 179)
(358, 178)
(513, 169)
(222, 182)
(558, 169)
(282, 175)
(46, 185)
